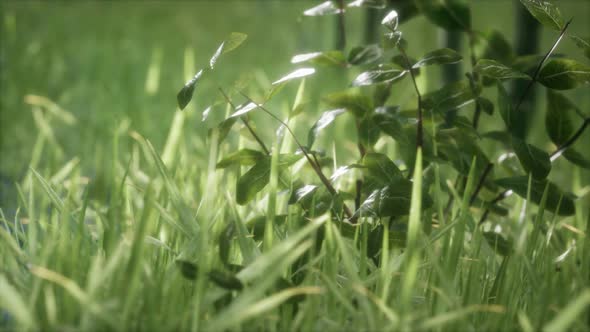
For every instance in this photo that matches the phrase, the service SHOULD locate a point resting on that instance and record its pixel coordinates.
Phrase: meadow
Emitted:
(120, 211)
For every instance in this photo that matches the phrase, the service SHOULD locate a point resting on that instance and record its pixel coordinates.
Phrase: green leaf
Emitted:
(519, 184)
(546, 12)
(225, 280)
(390, 40)
(558, 121)
(299, 73)
(257, 177)
(391, 20)
(493, 45)
(392, 200)
(187, 269)
(392, 127)
(382, 74)
(325, 8)
(327, 58)
(514, 121)
(564, 74)
(496, 70)
(302, 192)
(438, 57)
(532, 159)
(253, 181)
(185, 94)
(401, 61)
(244, 157)
(244, 108)
(352, 100)
(232, 42)
(224, 127)
(499, 243)
(257, 225)
(362, 55)
(583, 43)
(325, 119)
(379, 4)
(577, 158)
(447, 14)
(368, 132)
(381, 168)
(486, 105)
(452, 96)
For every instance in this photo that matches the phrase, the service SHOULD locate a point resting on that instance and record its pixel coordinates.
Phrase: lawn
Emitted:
(119, 211)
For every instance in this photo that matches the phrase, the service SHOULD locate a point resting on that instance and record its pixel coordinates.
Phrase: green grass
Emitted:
(114, 216)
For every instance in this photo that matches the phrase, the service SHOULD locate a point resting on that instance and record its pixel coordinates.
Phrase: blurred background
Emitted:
(80, 74)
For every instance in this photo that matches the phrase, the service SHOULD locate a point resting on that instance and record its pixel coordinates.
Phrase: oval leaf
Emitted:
(185, 94)
(352, 100)
(325, 8)
(253, 181)
(498, 71)
(381, 168)
(245, 108)
(244, 157)
(391, 201)
(564, 74)
(325, 120)
(514, 121)
(390, 40)
(391, 20)
(583, 43)
(448, 14)
(187, 269)
(519, 184)
(225, 280)
(558, 121)
(545, 12)
(384, 74)
(299, 73)
(577, 158)
(500, 244)
(379, 4)
(439, 57)
(232, 42)
(532, 159)
(329, 58)
(493, 45)
(452, 96)
(363, 55)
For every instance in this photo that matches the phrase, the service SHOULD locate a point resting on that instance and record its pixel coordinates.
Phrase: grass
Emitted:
(114, 216)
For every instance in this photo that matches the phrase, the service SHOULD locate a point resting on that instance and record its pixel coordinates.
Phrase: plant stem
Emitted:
(316, 166)
(481, 182)
(536, 73)
(419, 134)
(245, 121)
(570, 141)
(341, 28)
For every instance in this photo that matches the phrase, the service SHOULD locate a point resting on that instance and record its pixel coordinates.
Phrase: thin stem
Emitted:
(316, 167)
(474, 78)
(341, 41)
(570, 141)
(538, 70)
(245, 121)
(419, 134)
(481, 182)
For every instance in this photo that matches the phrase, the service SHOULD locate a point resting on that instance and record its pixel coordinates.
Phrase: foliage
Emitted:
(412, 236)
